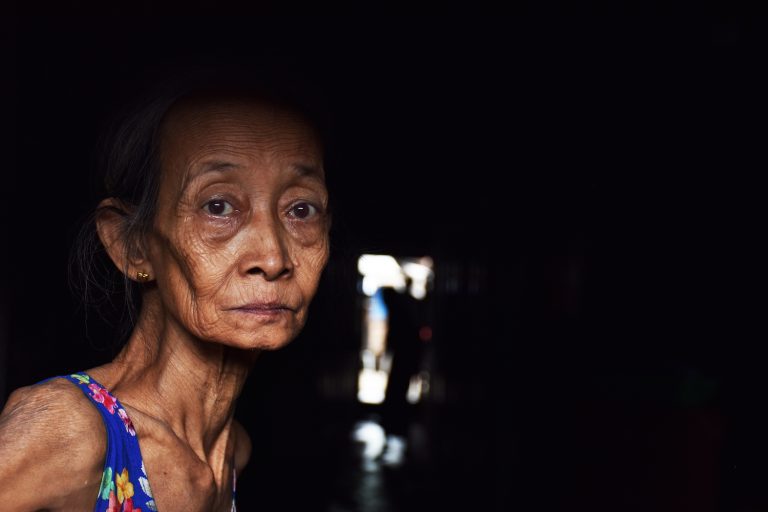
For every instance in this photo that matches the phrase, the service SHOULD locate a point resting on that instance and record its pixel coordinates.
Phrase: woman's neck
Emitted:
(189, 384)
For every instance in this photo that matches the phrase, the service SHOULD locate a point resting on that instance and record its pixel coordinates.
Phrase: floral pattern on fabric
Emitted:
(126, 421)
(118, 492)
(102, 396)
(107, 484)
(124, 484)
(81, 378)
(145, 487)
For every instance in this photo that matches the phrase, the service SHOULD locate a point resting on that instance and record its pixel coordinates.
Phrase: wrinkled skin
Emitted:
(234, 256)
(241, 221)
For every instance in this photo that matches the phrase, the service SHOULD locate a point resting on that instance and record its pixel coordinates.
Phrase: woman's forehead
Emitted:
(198, 125)
(253, 112)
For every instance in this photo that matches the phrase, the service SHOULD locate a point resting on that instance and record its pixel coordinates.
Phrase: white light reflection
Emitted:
(371, 386)
(380, 270)
(418, 387)
(394, 455)
(420, 274)
(373, 439)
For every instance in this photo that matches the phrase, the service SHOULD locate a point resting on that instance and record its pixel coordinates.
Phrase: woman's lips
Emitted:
(264, 308)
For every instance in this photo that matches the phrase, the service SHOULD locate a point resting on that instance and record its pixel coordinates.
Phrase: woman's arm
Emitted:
(52, 449)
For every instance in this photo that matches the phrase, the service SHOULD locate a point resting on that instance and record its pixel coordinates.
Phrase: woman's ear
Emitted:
(127, 255)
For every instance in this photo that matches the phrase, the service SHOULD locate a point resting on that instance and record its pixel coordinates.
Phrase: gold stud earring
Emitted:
(142, 276)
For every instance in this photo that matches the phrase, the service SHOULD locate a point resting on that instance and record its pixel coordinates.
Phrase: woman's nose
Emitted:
(267, 253)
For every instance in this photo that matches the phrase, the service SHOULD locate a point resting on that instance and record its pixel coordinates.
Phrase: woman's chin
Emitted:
(254, 332)
(267, 345)
(263, 341)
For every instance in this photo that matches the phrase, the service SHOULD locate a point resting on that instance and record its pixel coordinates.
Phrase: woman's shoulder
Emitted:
(54, 410)
(49, 430)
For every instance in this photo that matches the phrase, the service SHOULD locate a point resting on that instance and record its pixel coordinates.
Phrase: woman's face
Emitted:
(241, 233)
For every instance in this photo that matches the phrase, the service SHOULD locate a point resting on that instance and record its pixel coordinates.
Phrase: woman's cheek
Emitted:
(315, 257)
(202, 258)
(218, 231)
(309, 234)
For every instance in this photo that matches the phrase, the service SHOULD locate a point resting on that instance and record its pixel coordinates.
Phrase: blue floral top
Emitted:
(124, 485)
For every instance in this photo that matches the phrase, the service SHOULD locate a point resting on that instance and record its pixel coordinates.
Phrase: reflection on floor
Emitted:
(597, 456)
(334, 457)
(383, 474)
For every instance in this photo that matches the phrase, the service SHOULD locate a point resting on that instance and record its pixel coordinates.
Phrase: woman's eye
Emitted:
(302, 210)
(218, 207)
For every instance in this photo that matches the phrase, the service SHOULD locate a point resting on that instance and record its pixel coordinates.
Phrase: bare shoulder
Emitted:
(55, 408)
(49, 432)
(242, 446)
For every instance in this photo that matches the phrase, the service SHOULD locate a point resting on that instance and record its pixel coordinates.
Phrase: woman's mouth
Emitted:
(264, 308)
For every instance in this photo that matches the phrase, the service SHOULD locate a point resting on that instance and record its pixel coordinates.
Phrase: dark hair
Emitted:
(128, 164)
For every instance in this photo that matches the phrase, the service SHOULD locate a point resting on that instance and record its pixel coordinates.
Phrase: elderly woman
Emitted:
(217, 210)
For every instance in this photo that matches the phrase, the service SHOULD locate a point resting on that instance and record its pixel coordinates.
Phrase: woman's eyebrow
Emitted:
(301, 169)
(309, 171)
(223, 165)
(217, 165)
(196, 170)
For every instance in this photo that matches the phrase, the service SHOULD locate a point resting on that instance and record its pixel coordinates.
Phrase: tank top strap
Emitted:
(124, 483)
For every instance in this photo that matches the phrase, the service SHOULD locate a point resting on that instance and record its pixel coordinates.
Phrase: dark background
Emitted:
(588, 187)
